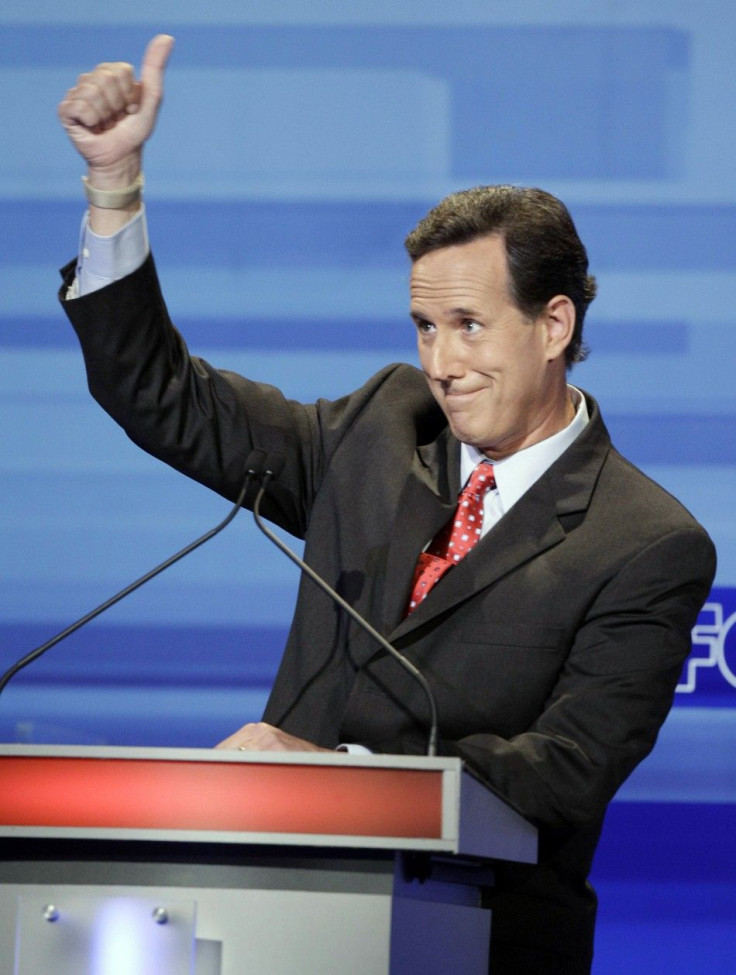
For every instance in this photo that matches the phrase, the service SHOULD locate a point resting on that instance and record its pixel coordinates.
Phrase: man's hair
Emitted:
(545, 256)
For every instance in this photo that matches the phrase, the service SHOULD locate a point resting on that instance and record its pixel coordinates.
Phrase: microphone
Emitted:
(254, 464)
(267, 469)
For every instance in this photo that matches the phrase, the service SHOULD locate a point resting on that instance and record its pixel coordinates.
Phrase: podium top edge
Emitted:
(338, 759)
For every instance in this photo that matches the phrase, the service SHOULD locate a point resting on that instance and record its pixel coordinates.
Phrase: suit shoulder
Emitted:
(394, 400)
(638, 493)
(398, 376)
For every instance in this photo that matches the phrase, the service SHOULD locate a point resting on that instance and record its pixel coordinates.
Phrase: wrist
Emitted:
(117, 175)
(113, 194)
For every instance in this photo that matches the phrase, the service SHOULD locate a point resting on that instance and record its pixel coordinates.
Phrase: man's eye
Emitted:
(471, 326)
(423, 327)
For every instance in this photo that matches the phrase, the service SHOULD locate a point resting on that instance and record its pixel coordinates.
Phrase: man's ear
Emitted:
(559, 321)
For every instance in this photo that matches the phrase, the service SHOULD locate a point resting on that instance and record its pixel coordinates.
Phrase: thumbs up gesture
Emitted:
(109, 114)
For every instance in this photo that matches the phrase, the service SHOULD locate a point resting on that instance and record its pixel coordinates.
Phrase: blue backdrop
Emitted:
(296, 148)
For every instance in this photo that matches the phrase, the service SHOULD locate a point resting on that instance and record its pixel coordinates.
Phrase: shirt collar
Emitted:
(516, 474)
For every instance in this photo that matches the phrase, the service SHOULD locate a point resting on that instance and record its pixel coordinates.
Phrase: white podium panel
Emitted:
(112, 935)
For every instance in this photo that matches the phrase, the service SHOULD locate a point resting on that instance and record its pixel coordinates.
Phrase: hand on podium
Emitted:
(261, 737)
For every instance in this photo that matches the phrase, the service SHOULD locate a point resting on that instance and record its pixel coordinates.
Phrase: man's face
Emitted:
(498, 376)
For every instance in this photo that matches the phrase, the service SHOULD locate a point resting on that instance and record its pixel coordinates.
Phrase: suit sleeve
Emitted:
(200, 420)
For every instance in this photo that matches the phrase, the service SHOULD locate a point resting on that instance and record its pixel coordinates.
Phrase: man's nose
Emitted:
(444, 360)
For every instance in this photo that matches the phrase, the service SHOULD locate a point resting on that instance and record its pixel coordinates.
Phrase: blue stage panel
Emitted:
(620, 123)
(362, 233)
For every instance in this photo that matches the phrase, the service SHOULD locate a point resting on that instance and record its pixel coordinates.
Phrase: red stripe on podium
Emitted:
(219, 796)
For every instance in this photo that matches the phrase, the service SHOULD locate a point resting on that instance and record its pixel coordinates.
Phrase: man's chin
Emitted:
(469, 437)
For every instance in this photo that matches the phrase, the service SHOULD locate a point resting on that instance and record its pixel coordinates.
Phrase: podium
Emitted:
(201, 862)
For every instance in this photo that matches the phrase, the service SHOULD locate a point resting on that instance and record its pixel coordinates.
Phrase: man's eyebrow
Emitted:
(463, 312)
(454, 313)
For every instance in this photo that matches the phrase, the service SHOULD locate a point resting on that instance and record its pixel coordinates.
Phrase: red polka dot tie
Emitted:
(455, 540)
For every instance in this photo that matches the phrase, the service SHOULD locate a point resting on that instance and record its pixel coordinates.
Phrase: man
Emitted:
(554, 642)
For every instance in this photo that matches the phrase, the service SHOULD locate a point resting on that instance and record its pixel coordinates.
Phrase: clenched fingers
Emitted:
(101, 97)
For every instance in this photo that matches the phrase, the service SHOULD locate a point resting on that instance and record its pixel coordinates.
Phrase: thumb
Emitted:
(155, 59)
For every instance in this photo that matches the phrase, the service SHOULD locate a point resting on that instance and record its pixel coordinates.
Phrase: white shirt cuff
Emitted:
(103, 260)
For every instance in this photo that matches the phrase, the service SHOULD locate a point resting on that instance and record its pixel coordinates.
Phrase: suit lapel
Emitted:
(427, 502)
(529, 528)
(539, 520)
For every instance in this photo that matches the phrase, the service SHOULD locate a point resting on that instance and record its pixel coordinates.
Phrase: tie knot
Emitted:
(481, 481)
(457, 538)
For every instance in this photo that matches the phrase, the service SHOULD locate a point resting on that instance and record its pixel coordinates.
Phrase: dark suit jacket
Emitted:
(553, 649)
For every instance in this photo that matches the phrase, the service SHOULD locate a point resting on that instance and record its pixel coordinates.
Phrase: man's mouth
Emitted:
(460, 396)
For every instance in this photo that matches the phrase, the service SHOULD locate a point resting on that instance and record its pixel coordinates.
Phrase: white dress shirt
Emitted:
(516, 474)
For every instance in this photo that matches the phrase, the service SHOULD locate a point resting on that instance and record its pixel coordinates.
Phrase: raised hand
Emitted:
(109, 114)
